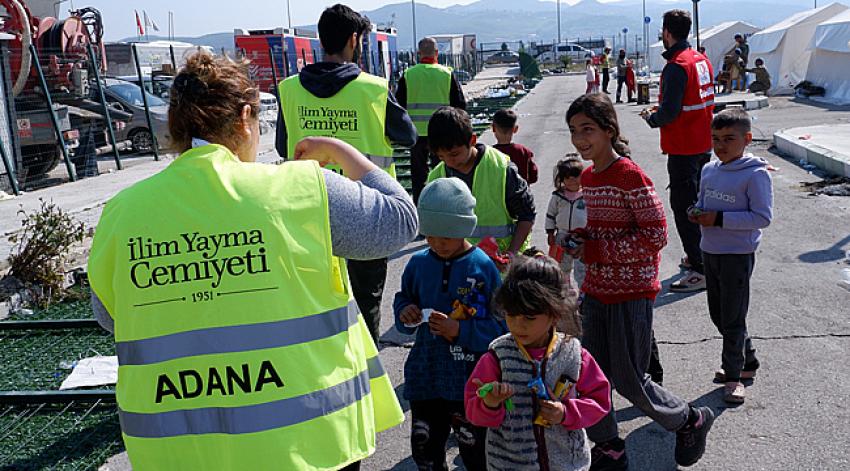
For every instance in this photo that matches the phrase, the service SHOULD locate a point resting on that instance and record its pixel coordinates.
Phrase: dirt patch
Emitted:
(837, 186)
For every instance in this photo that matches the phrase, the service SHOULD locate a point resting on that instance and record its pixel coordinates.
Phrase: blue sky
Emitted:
(196, 17)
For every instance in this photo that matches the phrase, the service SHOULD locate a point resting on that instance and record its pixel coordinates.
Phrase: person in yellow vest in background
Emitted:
(239, 345)
(504, 205)
(334, 98)
(423, 89)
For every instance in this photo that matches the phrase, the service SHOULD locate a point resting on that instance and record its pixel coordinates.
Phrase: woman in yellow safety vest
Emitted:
(223, 280)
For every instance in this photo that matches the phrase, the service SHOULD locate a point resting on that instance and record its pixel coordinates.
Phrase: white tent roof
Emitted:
(718, 40)
(833, 34)
(785, 46)
(830, 60)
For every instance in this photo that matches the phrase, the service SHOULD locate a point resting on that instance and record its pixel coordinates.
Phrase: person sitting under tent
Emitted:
(762, 81)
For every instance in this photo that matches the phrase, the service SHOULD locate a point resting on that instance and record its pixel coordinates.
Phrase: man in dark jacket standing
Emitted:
(686, 103)
(423, 89)
(335, 98)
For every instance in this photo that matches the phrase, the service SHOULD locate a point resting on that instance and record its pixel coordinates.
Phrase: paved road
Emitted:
(795, 416)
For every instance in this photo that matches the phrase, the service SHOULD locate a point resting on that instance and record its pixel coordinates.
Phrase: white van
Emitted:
(575, 52)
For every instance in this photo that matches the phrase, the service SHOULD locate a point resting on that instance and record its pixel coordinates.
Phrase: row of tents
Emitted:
(812, 45)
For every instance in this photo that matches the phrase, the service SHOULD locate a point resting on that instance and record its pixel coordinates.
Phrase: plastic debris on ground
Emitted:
(844, 282)
(92, 371)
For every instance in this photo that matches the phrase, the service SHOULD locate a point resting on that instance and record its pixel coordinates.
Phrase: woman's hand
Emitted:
(330, 151)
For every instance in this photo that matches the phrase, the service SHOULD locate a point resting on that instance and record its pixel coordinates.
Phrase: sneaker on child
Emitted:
(690, 283)
(609, 456)
(734, 392)
(690, 440)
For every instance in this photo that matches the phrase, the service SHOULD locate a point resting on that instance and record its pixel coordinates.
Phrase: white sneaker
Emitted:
(690, 283)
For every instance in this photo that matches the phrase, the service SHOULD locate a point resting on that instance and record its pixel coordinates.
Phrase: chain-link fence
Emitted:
(42, 427)
(64, 119)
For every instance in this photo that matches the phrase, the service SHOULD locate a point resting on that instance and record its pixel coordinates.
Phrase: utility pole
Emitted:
(413, 9)
(559, 21)
(288, 15)
(696, 21)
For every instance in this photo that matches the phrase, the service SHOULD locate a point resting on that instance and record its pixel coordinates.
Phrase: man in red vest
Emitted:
(686, 105)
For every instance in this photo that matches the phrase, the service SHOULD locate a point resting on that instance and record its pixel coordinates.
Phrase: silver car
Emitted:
(127, 96)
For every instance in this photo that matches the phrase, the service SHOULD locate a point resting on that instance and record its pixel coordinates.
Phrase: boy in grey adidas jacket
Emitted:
(735, 203)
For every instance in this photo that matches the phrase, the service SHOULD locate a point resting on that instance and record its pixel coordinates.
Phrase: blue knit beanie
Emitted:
(447, 209)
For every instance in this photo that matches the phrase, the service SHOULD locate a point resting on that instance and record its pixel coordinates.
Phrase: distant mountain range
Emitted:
(495, 21)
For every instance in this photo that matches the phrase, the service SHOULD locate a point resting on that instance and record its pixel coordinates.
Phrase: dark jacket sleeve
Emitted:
(399, 128)
(280, 139)
(456, 96)
(401, 92)
(674, 79)
(518, 198)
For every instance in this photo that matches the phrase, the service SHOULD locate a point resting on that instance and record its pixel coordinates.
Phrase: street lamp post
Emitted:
(696, 21)
(559, 21)
(413, 9)
(288, 15)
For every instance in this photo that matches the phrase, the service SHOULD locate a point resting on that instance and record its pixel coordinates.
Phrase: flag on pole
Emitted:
(147, 20)
(139, 24)
(154, 25)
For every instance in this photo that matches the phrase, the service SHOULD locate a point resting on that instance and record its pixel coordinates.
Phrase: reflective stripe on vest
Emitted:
(488, 187)
(700, 106)
(255, 418)
(380, 160)
(356, 114)
(234, 322)
(238, 338)
(494, 231)
(428, 87)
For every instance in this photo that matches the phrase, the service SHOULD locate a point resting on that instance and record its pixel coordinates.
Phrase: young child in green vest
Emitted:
(537, 388)
(445, 301)
(505, 207)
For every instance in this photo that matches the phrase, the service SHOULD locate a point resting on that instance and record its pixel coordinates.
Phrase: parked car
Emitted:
(575, 52)
(462, 76)
(503, 57)
(159, 84)
(127, 97)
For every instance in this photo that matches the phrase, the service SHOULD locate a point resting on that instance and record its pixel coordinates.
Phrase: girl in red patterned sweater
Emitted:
(621, 248)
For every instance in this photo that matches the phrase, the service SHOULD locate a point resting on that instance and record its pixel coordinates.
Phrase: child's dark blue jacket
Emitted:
(436, 369)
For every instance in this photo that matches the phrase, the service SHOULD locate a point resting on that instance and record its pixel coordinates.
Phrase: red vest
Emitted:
(690, 132)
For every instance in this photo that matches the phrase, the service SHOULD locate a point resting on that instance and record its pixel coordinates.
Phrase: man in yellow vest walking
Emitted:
(334, 98)
(423, 89)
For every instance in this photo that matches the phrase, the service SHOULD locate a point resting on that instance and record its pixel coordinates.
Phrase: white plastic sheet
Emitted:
(92, 371)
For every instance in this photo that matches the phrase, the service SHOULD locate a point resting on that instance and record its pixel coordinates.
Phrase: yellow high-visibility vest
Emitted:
(428, 88)
(488, 187)
(239, 345)
(357, 114)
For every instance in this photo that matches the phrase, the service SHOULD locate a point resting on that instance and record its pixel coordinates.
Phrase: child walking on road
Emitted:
(735, 203)
(566, 213)
(537, 388)
(504, 128)
(626, 230)
(444, 299)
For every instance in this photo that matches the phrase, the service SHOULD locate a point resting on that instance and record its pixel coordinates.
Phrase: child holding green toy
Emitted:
(537, 388)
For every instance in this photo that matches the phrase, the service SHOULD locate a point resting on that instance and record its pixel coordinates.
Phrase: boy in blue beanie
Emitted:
(445, 300)
(735, 203)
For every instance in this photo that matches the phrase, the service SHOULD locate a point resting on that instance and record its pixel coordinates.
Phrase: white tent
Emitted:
(718, 40)
(830, 63)
(785, 46)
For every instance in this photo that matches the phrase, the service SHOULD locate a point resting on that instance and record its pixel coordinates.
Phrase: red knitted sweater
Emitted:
(626, 230)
